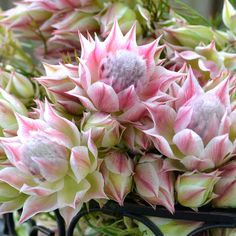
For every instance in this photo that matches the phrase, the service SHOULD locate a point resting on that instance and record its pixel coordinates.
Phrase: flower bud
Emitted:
(105, 131)
(189, 36)
(17, 84)
(117, 171)
(136, 140)
(196, 189)
(153, 184)
(225, 188)
(8, 105)
(124, 15)
(229, 16)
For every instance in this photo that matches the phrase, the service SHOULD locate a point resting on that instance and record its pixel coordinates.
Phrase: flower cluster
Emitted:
(154, 123)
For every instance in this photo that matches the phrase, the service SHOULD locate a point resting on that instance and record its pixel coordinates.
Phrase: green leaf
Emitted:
(192, 16)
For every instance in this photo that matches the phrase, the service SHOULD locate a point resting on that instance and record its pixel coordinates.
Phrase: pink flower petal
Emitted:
(27, 125)
(44, 189)
(218, 149)
(133, 114)
(188, 142)
(163, 117)
(84, 100)
(127, 98)
(130, 38)
(14, 177)
(115, 38)
(36, 204)
(222, 92)
(61, 124)
(96, 190)
(80, 162)
(183, 118)
(103, 97)
(13, 205)
(190, 88)
(161, 144)
(51, 169)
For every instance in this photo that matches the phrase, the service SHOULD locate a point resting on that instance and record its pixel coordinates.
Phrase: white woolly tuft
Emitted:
(123, 69)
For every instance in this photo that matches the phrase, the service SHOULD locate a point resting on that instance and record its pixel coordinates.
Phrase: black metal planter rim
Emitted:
(211, 218)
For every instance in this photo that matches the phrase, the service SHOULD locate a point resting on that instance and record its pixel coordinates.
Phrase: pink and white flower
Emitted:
(50, 166)
(194, 129)
(116, 76)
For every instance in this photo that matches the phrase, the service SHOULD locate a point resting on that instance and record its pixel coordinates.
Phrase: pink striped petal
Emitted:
(27, 125)
(218, 149)
(80, 162)
(61, 124)
(135, 113)
(188, 142)
(103, 97)
(161, 144)
(127, 98)
(189, 55)
(119, 163)
(130, 38)
(85, 76)
(222, 92)
(96, 190)
(183, 118)
(86, 102)
(193, 163)
(164, 117)
(190, 88)
(147, 180)
(36, 204)
(14, 177)
(115, 38)
(51, 169)
(11, 206)
(44, 189)
(224, 125)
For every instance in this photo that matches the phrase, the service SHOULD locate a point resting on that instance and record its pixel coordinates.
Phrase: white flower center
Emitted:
(40, 146)
(123, 69)
(207, 115)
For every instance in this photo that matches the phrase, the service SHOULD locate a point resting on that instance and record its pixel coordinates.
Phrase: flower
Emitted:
(117, 171)
(194, 130)
(116, 76)
(153, 184)
(226, 186)
(196, 189)
(50, 166)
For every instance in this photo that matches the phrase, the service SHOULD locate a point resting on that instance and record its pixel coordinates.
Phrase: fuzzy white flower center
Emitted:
(122, 69)
(40, 146)
(207, 115)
